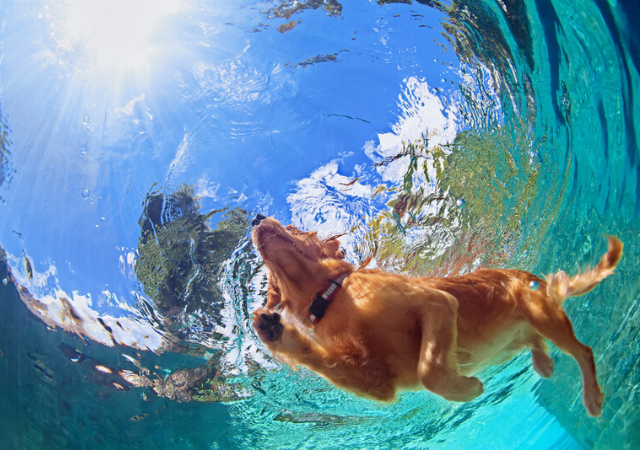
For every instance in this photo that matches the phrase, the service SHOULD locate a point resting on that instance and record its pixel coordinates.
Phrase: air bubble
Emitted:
(86, 193)
(5, 281)
(534, 285)
(460, 203)
(86, 120)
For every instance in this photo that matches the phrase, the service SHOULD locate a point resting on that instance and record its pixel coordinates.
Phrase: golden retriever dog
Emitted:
(372, 332)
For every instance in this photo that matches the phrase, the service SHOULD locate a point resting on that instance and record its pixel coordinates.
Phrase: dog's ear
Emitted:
(293, 230)
(274, 297)
(331, 249)
(288, 361)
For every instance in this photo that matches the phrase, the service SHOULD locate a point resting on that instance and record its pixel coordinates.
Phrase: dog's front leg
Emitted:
(286, 340)
(438, 363)
(341, 366)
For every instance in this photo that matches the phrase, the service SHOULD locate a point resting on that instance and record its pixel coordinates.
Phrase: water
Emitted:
(137, 141)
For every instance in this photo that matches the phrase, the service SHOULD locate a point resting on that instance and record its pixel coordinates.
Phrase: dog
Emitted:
(374, 333)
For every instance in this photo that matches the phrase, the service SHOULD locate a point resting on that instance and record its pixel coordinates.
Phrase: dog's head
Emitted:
(299, 261)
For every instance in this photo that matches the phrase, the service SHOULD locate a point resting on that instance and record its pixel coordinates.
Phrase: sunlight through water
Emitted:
(115, 34)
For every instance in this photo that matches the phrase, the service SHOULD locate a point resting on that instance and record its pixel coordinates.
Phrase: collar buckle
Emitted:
(324, 298)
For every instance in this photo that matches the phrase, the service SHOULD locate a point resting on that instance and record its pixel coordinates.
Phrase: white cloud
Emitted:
(422, 115)
(328, 202)
(206, 188)
(74, 313)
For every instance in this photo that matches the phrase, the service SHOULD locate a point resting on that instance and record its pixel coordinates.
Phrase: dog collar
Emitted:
(324, 297)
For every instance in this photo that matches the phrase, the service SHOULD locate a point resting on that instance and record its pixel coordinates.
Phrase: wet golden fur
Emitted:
(384, 332)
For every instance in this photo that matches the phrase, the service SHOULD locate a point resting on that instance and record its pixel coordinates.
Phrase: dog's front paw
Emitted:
(468, 388)
(268, 325)
(542, 363)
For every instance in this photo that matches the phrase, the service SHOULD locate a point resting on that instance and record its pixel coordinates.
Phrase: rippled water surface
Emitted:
(139, 138)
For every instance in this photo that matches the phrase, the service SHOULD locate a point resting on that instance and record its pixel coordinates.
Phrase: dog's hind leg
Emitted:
(551, 322)
(542, 363)
(438, 363)
(545, 315)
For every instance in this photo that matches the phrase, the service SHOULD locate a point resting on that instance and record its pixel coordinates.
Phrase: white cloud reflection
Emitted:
(422, 116)
(327, 203)
(74, 313)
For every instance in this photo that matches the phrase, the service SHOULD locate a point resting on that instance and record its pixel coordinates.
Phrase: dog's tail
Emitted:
(560, 286)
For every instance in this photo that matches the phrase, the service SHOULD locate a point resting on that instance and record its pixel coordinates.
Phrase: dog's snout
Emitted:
(257, 219)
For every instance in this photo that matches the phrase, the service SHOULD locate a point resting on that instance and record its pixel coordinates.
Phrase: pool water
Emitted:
(139, 138)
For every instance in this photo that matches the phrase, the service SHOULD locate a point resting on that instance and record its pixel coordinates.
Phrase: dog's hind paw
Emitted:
(268, 325)
(593, 401)
(454, 387)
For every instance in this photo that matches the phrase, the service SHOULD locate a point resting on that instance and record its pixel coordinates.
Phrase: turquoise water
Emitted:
(138, 139)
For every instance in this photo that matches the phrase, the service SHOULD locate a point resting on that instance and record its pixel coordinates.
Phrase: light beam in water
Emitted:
(117, 34)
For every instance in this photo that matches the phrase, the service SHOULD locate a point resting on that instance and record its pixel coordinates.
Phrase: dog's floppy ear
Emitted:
(331, 249)
(274, 297)
(288, 361)
(295, 231)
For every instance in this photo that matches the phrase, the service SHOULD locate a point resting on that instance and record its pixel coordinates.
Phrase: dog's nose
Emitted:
(257, 219)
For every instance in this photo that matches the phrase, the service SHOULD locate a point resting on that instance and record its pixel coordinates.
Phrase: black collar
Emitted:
(324, 297)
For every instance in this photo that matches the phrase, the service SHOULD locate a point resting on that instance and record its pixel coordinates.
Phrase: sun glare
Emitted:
(117, 33)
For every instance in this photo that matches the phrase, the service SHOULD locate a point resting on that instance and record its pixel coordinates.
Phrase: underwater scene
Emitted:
(140, 138)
